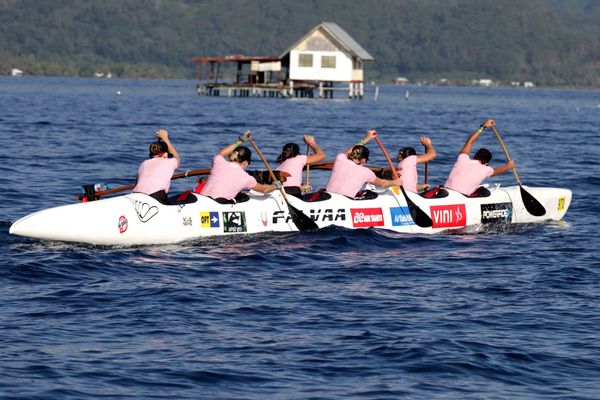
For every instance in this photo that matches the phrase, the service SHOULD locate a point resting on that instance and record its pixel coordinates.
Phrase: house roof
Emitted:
(340, 36)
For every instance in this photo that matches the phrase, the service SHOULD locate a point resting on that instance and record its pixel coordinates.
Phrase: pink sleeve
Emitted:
(369, 175)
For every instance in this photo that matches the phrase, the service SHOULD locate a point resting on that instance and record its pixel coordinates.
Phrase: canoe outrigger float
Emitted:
(138, 219)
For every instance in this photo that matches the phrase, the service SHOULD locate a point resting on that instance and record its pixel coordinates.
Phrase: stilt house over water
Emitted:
(325, 60)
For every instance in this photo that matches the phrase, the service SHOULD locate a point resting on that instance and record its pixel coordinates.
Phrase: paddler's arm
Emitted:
(504, 168)
(370, 135)
(164, 135)
(318, 155)
(262, 188)
(227, 150)
(384, 183)
(488, 123)
(429, 151)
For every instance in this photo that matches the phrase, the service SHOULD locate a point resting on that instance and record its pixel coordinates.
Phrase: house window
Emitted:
(327, 61)
(305, 60)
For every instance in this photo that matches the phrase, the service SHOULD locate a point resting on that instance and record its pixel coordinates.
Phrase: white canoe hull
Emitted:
(137, 219)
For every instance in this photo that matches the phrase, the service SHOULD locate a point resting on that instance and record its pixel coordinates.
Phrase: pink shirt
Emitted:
(155, 174)
(293, 166)
(408, 173)
(347, 177)
(467, 175)
(226, 179)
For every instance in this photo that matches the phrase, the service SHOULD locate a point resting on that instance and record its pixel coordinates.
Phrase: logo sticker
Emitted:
(401, 216)
(123, 224)
(365, 217)
(144, 211)
(187, 221)
(234, 221)
(328, 215)
(209, 219)
(561, 203)
(496, 213)
(264, 218)
(450, 216)
(317, 215)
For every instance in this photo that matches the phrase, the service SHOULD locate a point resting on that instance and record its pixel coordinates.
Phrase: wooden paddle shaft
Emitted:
(185, 174)
(506, 153)
(387, 157)
(271, 173)
(307, 165)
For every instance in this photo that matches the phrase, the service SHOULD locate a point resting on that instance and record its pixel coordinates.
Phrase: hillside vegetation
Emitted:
(549, 42)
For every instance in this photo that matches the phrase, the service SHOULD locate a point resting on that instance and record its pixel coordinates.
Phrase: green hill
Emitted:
(549, 42)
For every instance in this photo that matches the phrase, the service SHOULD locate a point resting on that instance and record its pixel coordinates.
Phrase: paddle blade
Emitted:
(532, 206)
(302, 221)
(419, 216)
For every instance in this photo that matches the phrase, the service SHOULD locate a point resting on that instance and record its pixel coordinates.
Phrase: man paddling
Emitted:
(349, 173)
(228, 176)
(408, 160)
(291, 161)
(467, 174)
(154, 175)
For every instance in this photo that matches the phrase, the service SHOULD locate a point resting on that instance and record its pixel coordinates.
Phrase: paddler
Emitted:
(408, 160)
(291, 161)
(154, 175)
(228, 176)
(349, 173)
(467, 174)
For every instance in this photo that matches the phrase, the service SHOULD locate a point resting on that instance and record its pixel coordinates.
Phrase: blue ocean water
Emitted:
(333, 314)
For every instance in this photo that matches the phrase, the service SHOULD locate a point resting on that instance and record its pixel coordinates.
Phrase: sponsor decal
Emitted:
(401, 216)
(264, 218)
(209, 219)
(450, 216)
(280, 216)
(144, 211)
(365, 217)
(123, 224)
(234, 221)
(496, 213)
(328, 215)
(187, 221)
(561, 203)
(317, 215)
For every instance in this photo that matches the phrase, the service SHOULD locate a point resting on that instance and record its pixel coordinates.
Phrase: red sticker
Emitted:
(123, 224)
(451, 216)
(365, 217)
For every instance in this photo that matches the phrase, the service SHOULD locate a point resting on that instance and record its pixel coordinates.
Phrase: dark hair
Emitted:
(289, 150)
(358, 153)
(241, 154)
(157, 148)
(405, 152)
(483, 155)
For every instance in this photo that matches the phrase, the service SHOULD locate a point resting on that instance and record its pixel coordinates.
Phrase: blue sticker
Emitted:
(401, 216)
(214, 219)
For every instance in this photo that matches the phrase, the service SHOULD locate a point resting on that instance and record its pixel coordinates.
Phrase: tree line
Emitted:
(549, 42)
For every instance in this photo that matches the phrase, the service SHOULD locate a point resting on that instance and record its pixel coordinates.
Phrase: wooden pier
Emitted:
(322, 90)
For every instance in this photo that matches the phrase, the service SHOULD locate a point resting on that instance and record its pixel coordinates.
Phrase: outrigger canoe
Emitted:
(137, 219)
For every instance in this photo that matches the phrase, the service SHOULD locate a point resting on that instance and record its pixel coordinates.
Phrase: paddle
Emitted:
(328, 165)
(426, 173)
(532, 206)
(307, 185)
(419, 216)
(185, 174)
(301, 220)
